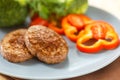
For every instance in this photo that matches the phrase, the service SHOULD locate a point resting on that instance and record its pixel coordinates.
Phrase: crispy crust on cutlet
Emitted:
(13, 47)
(46, 44)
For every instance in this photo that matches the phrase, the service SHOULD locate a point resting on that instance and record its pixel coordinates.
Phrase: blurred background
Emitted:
(112, 6)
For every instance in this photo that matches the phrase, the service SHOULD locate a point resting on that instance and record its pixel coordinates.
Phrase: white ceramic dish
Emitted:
(76, 64)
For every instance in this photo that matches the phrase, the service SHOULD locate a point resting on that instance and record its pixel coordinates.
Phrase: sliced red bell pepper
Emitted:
(72, 24)
(75, 21)
(53, 26)
(39, 21)
(78, 20)
(34, 16)
(85, 18)
(99, 31)
(102, 33)
(69, 30)
(36, 20)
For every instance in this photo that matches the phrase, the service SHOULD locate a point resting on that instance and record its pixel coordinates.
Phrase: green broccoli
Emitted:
(12, 13)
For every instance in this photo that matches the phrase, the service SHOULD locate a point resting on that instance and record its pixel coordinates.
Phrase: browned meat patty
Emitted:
(46, 44)
(13, 47)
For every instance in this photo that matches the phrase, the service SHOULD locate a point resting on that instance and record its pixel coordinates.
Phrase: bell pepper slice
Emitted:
(72, 24)
(53, 26)
(78, 20)
(85, 18)
(69, 30)
(75, 20)
(104, 37)
(39, 21)
(99, 31)
(71, 34)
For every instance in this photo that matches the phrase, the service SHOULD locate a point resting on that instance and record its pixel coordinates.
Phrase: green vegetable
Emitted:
(77, 6)
(11, 13)
(58, 8)
(22, 2)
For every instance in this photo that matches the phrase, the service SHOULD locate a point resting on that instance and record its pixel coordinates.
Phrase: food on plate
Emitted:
(73, 23)
(53, 11)
(38, 41)
(77, 20)
(56, 27)
(75, 26)
(38, 21)
(56, 9)
(13, 47)
(96, 36)
(47, 45)
(11, 13)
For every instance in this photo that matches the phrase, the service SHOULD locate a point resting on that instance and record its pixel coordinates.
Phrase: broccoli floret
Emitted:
(11, 13)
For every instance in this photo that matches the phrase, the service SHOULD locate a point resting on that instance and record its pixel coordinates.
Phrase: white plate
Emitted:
(76, 64)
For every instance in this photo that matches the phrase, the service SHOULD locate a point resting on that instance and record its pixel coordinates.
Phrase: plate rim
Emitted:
(72, 75)
(68, 76)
